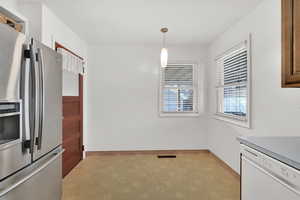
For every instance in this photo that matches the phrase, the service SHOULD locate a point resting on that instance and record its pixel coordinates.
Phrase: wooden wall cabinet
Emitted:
(10, 22)
(291, 43)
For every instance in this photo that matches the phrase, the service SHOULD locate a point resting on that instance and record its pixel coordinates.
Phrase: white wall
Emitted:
(46, 27)
(70, 84)
(12, 5)
(33, 12)
(55, 30)
(275, 111)
(122, 101)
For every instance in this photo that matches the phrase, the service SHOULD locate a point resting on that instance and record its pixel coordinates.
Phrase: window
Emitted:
(179, 90)
(233, 85)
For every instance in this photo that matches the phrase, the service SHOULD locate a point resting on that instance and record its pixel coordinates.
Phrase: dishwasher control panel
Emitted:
(272, 166)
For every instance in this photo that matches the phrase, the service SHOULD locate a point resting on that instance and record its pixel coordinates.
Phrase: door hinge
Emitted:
(82, 147)
(37, 141)
(27, 53)
(27, 144)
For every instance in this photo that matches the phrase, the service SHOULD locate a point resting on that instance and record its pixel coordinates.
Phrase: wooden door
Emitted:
(290, 43)
(72, 126)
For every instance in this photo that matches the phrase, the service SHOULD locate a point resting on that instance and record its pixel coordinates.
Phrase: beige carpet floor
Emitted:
(194, 176)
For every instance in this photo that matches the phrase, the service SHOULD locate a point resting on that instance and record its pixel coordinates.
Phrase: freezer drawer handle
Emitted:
(26, 178)
(9, 114)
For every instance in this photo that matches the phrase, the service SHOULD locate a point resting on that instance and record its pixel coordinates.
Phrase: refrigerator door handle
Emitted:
(35, 97)
(25, 96)
(41, 98)
(27, 177)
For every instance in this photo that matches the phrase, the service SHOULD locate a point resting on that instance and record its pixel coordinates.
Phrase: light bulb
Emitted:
(164, 57)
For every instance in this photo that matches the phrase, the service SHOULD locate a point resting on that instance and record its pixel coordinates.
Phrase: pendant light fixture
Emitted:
(164, 50)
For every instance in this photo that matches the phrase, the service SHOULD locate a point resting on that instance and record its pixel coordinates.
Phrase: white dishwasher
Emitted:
(264, 178)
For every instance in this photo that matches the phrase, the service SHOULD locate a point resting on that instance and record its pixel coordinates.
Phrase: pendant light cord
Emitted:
(164, 40)
(164, 31)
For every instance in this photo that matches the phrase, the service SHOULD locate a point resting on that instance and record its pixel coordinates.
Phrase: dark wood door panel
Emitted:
(72, 146)
(72, 133)
(71, 108)
(72, 125)
(69, 164)
(71, 141)
(72, 155)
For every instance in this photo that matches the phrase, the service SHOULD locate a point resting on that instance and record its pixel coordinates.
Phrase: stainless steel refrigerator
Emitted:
(30, 119)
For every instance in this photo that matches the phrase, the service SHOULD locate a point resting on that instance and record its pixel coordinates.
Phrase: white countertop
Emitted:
(284, 149)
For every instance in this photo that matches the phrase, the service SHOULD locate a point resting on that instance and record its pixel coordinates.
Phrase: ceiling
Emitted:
(139, 21)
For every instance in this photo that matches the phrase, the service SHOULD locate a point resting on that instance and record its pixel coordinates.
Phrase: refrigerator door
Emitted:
(13, 155)
(11, 44)
(40, 181)
(48, 126)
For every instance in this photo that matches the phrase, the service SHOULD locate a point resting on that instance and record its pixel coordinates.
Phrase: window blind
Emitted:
(178, 83)
(235, 68)
(232, 83)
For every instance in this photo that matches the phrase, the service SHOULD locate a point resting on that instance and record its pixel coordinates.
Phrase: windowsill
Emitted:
(240, 123)
(179, 114)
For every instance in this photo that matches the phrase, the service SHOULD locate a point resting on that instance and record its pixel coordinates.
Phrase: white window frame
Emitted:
(227, 118)
(195, 112)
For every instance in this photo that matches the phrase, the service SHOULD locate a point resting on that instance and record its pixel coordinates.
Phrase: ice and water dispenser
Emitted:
(10, 119)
